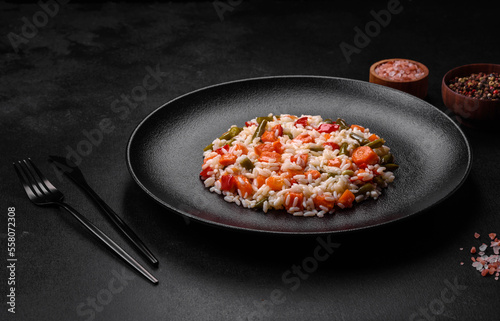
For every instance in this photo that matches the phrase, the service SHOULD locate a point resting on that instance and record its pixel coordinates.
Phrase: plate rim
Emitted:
(253, 230)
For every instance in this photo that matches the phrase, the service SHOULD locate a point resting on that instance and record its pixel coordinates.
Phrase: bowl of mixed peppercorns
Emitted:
(472, 92)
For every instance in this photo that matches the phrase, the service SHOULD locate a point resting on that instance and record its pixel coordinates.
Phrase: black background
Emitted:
(64, 80)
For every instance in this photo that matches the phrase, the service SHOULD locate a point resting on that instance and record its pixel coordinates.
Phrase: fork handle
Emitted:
(124, 228)
(108, 242)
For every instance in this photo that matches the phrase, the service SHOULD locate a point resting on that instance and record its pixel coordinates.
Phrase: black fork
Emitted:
(41, 192)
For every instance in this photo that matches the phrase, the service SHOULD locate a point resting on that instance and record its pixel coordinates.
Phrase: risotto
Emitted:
(305, 165)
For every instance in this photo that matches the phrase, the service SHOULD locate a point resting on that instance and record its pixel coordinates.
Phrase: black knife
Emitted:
(71, 170)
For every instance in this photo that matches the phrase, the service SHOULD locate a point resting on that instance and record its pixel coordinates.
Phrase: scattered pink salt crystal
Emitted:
(477, 235)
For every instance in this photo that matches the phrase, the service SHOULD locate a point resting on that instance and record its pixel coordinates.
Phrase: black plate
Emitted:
(164, 153)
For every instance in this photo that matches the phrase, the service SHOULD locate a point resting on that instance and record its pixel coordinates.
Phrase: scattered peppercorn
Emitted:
(481, 86)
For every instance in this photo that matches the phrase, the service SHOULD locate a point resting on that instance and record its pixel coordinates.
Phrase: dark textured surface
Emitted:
(66, 79)
(433, 154)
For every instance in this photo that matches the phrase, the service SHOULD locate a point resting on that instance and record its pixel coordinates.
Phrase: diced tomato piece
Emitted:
(276, 183)
(362, 129)
(364, 154)
(204, 173)
(320, 200)
(227, 183)
(314, 174)
(305, 138)
(347, 198)
(301, 121)
(301, 160)
(227, 159)
(243, 148)
(327, 128)
(333, 145)
(222, 150)
(243, 185)
(363, 166)
(373, 137)
(278, 130)
(260, 180)
(249, 123)
(270, 157)
(294, 198)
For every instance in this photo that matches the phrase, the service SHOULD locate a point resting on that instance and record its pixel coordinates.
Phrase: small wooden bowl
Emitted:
(472, 112)
(416, 87)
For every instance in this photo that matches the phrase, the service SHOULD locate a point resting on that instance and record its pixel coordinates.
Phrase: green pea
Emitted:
(376, 143)
(391, 167)
(247, 163)
(348, 172)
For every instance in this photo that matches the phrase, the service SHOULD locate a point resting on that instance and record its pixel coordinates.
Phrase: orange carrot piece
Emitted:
(315, 174)
(301, 160)
(292, 197)
(361, 128)
(364, 155)
(276, 183)
(373, 137)
(227, 159)
(347, 198)
(261, 180)
(305, 138)
(268, 136)
(243, 185)
(244, 149)
(270, 157)
(321, 201)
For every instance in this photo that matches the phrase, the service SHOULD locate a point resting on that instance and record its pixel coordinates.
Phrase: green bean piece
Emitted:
(378, 180)
(391, 167)
(387, 159)
(247, 163)
(290, 135)
(317, 148)
(376, 143)
(361, 140)
(342, 123)
(328, 121)
(232, 132)
(365, 188)
(343, 149)
(260, 203)
(210, 146)
(260, 129)
(268, 118)
(348, 172)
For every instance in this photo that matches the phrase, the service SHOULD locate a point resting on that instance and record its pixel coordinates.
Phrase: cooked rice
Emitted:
(308, 165)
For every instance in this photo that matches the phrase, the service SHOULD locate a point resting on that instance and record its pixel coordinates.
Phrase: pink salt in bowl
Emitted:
(403, 74)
